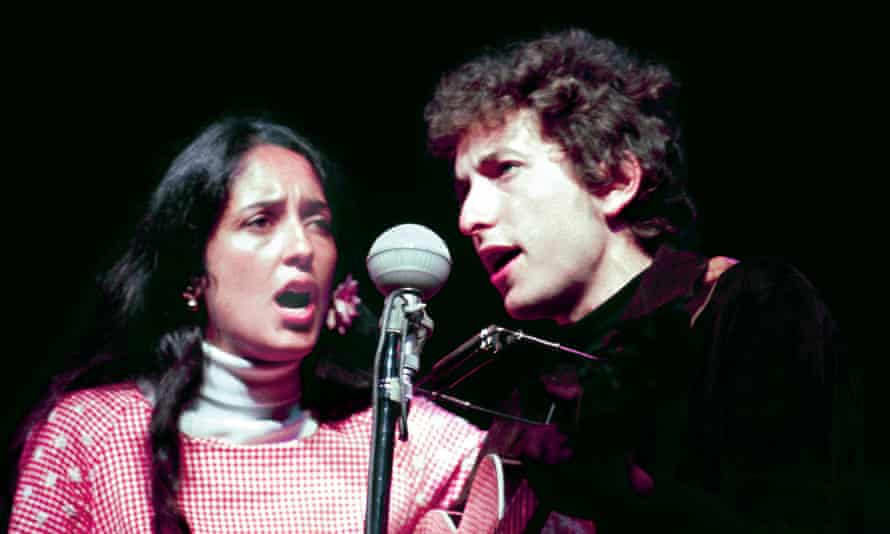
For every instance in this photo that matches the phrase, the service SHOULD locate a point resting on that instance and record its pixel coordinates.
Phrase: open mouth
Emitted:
(499, 260)
(293, 299)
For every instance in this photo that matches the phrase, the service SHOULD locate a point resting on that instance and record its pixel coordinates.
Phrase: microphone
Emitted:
(409, 256)
(408, 264)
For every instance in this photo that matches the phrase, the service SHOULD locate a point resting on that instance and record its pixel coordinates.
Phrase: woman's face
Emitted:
(270, 259)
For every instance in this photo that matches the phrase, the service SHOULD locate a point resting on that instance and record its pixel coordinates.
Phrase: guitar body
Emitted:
(499, 502)
(488, 510)
(485, 504)
(492, 509)
(436, 522)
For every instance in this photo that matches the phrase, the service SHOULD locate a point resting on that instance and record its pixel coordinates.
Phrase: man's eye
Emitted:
(506, 166)
(498, 168)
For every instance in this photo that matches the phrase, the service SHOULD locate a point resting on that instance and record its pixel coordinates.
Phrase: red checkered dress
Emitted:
(86, 469)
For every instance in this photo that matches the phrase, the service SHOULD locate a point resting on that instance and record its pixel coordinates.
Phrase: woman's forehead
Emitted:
(274, 171)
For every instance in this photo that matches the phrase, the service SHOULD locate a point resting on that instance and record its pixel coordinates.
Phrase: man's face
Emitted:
(539, 232)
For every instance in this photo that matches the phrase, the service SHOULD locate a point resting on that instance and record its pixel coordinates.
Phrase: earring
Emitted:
(191, 301)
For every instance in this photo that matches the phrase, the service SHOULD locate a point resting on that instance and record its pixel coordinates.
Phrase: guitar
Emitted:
(495, 504)
(492, 509)
(485, 503)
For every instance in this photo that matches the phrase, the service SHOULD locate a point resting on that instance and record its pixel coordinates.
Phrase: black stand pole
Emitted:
(404, 328)
(386, 413)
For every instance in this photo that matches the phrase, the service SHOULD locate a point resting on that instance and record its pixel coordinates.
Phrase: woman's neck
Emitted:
(259, 388)
(244, 401)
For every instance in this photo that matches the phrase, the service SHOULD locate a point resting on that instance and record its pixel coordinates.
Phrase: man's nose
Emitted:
(479, 208)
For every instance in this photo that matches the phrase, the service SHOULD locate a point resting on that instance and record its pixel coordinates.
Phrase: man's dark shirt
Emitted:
(735, 398)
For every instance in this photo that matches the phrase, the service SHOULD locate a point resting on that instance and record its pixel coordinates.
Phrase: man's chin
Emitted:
(532, 307)
(520, 309)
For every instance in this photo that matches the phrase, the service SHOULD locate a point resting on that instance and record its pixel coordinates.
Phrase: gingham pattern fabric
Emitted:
(86, 469)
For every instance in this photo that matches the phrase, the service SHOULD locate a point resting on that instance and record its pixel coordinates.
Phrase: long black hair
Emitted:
(148, 334)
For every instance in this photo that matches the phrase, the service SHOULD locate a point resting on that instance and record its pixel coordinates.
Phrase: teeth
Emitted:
(292, 299)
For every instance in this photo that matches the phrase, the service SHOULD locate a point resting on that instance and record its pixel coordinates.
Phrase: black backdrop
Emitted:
(94, 116)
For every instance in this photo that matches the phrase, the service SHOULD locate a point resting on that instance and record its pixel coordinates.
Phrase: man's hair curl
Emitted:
(593, 98)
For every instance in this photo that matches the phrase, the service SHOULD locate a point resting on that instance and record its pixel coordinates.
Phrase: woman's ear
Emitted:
(624, 186)
(198, 284)
(194, 291)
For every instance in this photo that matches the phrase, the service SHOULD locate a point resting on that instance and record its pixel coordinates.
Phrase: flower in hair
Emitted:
(344, 306)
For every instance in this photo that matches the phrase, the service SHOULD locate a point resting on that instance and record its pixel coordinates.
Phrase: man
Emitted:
(723, 401)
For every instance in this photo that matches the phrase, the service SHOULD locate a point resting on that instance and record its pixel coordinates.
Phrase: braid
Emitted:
(141, 331)
(176, 388)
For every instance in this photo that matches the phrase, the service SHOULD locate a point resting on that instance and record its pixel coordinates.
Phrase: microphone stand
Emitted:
(404, 328)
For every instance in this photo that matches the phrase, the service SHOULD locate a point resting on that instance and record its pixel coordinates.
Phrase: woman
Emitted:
(218, 402)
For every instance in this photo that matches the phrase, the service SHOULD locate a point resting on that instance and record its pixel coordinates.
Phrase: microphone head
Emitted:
(409, 256)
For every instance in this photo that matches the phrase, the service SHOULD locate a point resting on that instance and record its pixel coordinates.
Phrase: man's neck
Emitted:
(622, 261)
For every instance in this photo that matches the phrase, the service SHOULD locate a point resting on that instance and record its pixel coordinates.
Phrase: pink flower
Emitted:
(344, 306)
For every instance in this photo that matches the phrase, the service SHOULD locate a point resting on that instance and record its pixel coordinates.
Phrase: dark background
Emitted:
(93, 116)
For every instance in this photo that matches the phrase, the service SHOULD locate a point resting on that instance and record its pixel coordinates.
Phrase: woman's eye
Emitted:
(259, 221)
(322, 223)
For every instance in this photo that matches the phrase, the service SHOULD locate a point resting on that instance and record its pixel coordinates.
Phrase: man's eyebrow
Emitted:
(499, 154)
(491, 156)
(487, 158)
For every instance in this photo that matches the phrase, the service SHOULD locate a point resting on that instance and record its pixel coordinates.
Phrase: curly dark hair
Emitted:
(593, 98)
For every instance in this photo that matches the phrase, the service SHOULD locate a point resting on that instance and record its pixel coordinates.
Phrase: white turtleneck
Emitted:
(246, 402)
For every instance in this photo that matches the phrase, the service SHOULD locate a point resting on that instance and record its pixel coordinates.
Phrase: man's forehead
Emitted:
(519, 134)
(484, 140)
